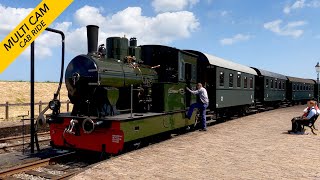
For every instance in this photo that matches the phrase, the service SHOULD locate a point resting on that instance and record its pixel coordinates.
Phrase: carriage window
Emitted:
(251, 82)
(275, 84)
(282, 84)
(230, 80)
(245, 82)
(267, 83)
(309, 87)
(238, 80)
(271, 82)
(294, 87)
(221, 82)
(279, 84)
(300, 87)
(304, 87)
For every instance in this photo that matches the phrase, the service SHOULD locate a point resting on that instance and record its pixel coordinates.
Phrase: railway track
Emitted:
(57, 167)
(16, 142)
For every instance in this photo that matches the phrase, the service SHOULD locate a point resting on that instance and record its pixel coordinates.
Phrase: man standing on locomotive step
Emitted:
(202, 103)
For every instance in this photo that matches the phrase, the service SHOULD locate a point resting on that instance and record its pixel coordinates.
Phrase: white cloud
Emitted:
(170, 5)
(89, 15)
(235, 39)
(299, 4)
(160, 29)
(224, 13)
(48, 40)
(287, 30)
(11, 17)
(209, 1)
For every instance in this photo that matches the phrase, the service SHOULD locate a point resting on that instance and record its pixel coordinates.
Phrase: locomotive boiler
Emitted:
(99, 82)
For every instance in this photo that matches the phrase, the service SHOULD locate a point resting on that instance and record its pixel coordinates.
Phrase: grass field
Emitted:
(19, 92)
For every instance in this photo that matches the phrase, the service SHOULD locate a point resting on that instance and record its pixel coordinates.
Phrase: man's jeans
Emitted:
(202, 108)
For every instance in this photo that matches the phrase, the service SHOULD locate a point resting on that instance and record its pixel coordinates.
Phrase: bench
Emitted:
(311, 124)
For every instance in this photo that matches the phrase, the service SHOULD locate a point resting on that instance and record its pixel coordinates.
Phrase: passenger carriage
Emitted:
(270, 88)
(230, 85)
(300, 90)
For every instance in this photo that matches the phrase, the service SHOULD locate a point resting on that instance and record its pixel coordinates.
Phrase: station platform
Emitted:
(251, 147)
(257, 146)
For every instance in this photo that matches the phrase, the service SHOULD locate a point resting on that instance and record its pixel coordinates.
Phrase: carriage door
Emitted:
(211, 85)
(188, 76)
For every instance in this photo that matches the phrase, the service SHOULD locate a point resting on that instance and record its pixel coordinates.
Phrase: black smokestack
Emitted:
(133, 41)
(92, 36)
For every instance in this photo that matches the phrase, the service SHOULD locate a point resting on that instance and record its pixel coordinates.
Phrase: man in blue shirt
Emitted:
(202, 103)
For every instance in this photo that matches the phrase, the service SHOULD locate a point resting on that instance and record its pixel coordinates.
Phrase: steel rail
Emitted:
(32, 165)
(17, 145)
(20, 137)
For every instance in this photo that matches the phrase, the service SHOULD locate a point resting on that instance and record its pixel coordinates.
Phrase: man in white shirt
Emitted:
(297, 122)
(202, 103)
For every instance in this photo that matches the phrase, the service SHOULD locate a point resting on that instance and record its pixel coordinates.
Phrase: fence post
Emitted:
(40, 106)
(7, 110)
(68, 105)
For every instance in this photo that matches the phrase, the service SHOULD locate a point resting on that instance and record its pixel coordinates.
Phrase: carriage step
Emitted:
(259, 105)
(211, 121)
(270, 108)
(253, 111)
(209, 116)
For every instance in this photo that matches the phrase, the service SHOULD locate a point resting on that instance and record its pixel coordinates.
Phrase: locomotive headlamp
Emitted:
(54, 105)
(88, 125)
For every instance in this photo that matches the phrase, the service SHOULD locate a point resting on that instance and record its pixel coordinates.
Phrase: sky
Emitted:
(278, 36)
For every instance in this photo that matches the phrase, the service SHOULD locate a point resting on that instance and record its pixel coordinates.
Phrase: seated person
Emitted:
(297, 122)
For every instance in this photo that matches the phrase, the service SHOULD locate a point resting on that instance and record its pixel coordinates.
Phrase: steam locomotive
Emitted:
(123, 92)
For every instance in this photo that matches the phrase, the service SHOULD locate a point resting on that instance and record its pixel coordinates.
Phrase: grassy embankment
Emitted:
(19, 92)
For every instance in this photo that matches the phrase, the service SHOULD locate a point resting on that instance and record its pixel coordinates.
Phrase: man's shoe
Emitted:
(292, 132)
(203, 129)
